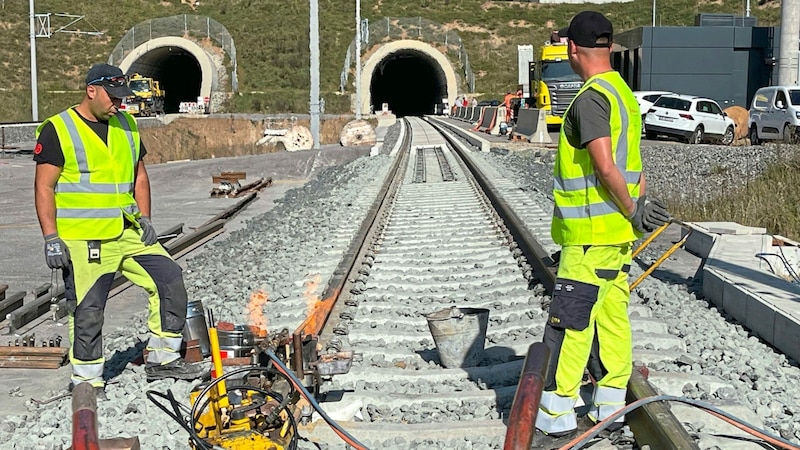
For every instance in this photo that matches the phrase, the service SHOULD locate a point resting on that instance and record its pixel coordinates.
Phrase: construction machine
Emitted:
(261, 404)
(147, 98)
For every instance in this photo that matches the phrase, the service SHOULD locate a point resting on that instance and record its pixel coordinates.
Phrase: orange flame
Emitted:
(255, 309)
(311, 295)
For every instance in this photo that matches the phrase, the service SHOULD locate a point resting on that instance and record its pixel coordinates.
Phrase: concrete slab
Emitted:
(729, 228)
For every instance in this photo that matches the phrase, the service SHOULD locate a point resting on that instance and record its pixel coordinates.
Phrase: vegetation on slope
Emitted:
(272, 41)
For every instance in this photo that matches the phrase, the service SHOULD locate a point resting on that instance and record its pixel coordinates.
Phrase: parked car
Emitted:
(489, 103)
(775, 114)
(647, 98)
(692, 119)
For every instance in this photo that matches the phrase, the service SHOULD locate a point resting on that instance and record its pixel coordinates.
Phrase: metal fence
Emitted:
(394, 28)
(183, 25)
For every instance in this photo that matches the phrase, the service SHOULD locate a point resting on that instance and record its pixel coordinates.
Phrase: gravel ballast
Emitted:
(289, 252)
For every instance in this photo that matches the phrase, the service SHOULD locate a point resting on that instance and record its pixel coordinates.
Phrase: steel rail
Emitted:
(652, 424)
(312, 327)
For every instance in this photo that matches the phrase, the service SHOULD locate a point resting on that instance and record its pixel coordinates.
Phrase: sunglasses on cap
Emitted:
(110, 81)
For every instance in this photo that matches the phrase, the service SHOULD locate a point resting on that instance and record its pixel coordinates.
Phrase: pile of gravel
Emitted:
(763, 378)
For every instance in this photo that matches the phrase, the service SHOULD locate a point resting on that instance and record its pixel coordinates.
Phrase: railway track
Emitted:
(437, 243)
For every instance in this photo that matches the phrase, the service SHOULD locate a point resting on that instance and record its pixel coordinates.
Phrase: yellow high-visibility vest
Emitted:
(585, 213)
(95, 190)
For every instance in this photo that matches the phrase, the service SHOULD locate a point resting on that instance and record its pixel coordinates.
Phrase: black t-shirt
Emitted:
(48, 147)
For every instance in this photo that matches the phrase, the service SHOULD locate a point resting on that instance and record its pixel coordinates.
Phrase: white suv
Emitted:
(775, 114)
(693, 119)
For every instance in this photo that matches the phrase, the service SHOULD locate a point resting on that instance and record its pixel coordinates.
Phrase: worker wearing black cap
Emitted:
(600, 210)
(92, 198)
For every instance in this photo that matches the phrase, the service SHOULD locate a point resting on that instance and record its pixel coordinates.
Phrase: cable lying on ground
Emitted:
(580, 441)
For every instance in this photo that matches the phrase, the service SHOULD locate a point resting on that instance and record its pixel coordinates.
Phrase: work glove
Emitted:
(649, 215)
(56, 253)
(149, 235)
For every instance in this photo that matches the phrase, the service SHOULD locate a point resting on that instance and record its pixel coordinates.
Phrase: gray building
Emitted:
(725, 63)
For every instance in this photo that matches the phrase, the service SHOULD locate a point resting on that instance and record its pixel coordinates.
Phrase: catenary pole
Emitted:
(313, 44)
(790, 38)
(34, 84)
(358, 59)
(654, 13)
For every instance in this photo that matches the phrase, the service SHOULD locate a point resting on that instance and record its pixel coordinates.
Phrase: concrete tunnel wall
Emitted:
(149, 59)
(433, 56)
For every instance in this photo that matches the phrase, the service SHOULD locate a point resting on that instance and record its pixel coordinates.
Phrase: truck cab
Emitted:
(553, 82)
(775, 115)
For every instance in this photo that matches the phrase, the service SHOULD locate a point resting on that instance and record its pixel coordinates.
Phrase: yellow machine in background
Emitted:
(147, 99)
(553, 82)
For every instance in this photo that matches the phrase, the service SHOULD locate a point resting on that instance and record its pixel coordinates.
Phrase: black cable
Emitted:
(176, 405)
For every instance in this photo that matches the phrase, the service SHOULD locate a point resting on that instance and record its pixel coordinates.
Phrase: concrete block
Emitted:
(713, 283)
(700, 242)
(787, 336)
(734, 301)
(760, 318)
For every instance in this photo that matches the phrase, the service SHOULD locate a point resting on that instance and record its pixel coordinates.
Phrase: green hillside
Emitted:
(272, 41)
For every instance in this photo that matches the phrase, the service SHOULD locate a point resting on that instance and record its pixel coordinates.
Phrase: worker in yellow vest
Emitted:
(600, 210)
(92, 198)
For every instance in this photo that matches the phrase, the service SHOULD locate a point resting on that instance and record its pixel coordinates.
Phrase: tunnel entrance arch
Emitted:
(411, 76)
(183, 69)
(190, 55)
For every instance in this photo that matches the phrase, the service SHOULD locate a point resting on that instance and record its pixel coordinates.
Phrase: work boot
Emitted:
(99, 391)
(177, 369)
(554, 441)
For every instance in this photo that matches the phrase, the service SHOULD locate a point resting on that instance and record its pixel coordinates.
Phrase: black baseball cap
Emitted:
(589, 29)
(110, 78)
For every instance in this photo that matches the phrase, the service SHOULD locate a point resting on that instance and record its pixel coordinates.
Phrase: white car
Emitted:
(692, 119)
(647, 98)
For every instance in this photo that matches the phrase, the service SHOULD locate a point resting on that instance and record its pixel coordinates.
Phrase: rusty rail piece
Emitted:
(233, 210)
(311, 328)
(84, 418)
(646, 427)
(522, 419)
(85, 435)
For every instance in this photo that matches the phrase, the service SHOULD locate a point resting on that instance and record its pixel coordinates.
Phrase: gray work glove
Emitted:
(649, 215)
(56, 253)
(149, 235)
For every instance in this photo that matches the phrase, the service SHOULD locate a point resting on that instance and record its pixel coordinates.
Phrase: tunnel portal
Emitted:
(177, 71)
(410, 81)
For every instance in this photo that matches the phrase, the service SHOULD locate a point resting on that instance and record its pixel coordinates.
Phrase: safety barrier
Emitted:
(490, 122)
(476, 114)
(532, 126)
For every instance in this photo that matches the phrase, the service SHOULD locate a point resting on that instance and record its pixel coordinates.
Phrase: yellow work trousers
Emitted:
(590, 299)
(87, 283)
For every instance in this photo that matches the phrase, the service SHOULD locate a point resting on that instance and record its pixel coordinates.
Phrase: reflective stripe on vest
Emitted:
(585, 213)
(95, 189)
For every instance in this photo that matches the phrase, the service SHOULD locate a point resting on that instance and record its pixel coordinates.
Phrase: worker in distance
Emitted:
(92, 198)
(600, 209)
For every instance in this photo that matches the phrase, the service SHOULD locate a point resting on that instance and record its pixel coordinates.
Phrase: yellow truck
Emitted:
(553, 82)
(147, 98)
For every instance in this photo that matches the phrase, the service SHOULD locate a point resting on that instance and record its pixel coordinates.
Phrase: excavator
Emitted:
(147, 98)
